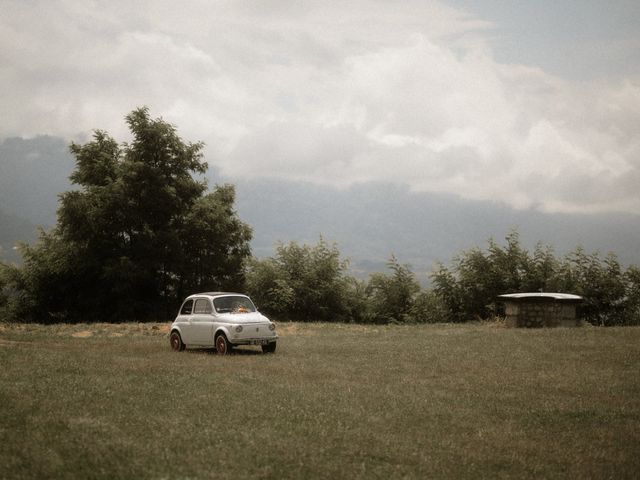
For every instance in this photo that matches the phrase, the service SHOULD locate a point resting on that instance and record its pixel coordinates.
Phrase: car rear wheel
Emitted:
(269, 348)
(223, 346)
(176, 342)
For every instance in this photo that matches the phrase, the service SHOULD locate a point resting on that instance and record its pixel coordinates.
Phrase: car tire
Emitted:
(269, 348)
(223, 347)
(176, 342)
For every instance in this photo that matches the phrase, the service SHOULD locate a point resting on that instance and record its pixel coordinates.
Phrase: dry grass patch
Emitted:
(82, 334)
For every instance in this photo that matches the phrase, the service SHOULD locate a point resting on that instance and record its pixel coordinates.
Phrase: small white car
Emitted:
(221, 320)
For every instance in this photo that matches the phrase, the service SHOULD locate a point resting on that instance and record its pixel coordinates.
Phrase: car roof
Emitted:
(549, 295)
(215, 294)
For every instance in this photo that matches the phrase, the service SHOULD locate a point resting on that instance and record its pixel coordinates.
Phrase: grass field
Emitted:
(335, 401)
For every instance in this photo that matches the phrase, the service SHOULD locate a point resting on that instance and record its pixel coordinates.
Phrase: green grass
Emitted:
(335, 401)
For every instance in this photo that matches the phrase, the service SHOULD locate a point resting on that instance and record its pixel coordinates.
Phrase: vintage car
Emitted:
(221, 320)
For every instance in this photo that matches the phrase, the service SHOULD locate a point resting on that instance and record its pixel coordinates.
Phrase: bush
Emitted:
(309, 283)
(390, 298)
(304, 282)
(428, 307)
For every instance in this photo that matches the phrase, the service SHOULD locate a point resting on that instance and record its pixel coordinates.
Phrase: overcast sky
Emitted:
(532, 103)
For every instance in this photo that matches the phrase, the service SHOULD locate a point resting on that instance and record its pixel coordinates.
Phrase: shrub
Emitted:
(304, 282)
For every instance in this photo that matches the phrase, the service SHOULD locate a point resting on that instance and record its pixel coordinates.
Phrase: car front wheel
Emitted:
(222, 344)
(176, 342)
(269, 348)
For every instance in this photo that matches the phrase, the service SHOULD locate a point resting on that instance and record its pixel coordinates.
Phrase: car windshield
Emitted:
(233, 304)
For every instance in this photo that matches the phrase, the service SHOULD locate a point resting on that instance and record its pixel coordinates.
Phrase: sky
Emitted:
(535, 105)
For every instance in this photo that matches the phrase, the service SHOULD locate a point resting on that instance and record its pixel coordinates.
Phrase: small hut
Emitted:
(541, 309)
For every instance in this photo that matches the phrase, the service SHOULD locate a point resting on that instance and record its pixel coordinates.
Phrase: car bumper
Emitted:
(253, 341)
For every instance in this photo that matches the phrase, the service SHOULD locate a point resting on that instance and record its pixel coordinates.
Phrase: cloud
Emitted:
(328, 92)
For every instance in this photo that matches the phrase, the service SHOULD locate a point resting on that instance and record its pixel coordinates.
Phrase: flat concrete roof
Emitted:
(538, 295)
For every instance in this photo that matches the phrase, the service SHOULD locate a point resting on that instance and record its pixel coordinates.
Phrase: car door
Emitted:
(202, 322)
(183, 321)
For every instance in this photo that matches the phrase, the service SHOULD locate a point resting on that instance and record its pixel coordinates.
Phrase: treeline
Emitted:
(140, 232)
(469, 286)
(309, 283)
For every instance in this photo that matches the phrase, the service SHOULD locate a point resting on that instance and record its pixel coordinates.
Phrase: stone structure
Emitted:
(541, 309)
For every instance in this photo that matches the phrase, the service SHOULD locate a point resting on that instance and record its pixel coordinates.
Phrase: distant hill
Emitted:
(369, 221)
(372, 221)
(32, 173)
(12, 230)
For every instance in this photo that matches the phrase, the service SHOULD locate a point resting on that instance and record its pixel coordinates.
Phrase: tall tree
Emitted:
(139, 232)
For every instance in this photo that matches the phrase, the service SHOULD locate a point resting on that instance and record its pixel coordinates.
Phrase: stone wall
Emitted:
(540, 313)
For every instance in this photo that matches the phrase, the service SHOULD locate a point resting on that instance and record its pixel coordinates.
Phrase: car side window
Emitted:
(187, 308)
(202, 306)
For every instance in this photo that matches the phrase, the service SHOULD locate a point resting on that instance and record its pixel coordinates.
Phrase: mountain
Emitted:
(32, 173)
(369, 222)
(12, 230)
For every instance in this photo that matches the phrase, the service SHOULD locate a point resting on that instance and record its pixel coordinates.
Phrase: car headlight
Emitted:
(272, 326)
(239, 328)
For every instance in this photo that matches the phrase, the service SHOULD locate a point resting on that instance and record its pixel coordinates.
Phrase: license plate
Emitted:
(259, 342)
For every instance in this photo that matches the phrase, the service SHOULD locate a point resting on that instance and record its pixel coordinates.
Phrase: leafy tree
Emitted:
(13, 296)
(428, 307)
(304, 282)
(632, 296)
(476, 277)
(447, 288)
(138, 233)
(391, 297)
(600, 282)
(508, 265)
(309, 283)
(541, 270)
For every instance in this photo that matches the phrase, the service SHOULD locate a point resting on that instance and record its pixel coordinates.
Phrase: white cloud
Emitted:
(328, 92)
